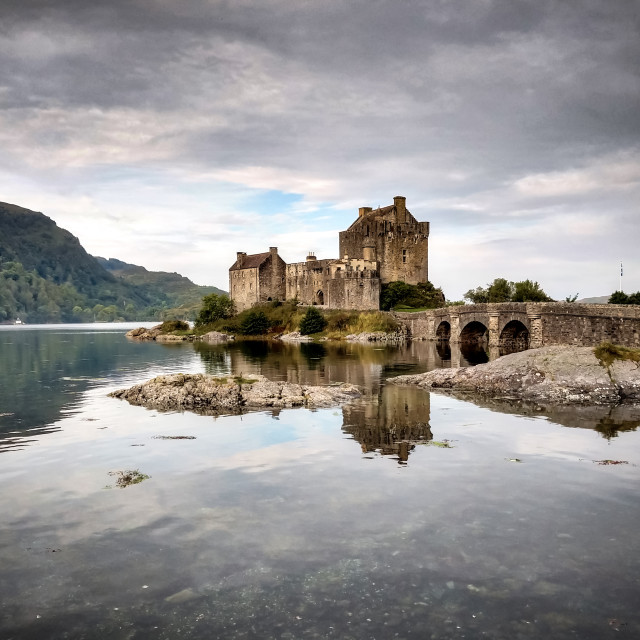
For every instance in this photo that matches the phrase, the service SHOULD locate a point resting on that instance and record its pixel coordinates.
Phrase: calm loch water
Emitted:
(402, 515)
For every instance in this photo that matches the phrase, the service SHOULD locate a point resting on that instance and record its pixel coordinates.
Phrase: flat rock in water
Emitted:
(207, 394)
(556, 374)
(294, 336)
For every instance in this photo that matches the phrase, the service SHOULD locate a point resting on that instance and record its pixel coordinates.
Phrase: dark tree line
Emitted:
(619, 297)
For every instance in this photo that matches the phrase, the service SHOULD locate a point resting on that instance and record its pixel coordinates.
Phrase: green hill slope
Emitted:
(47, 276)
(171, 289)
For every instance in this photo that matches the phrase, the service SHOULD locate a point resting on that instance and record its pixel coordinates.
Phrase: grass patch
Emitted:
(286, 317)
(240, 380)
(125, 479)
(170, 326)
(608, 353)
(443, 444)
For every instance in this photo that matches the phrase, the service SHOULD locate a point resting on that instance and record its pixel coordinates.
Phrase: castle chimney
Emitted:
(362, 211)
(400, 203)
(273, 251)
(311, 257)
(241, 255)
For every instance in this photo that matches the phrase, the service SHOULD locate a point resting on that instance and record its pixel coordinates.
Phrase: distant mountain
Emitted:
(47, 276)
(175, 289)
(595, 300)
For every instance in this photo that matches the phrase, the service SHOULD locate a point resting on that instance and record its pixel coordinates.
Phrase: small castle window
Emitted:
(404, 255)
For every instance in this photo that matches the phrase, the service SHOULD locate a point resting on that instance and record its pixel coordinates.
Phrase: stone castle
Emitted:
(383, 245)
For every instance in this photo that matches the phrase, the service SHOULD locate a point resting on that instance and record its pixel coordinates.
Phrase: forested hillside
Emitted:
(47, 276)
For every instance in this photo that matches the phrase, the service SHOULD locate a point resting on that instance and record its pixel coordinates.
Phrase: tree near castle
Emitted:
(312, 322)
(502, 290)
(214, 307)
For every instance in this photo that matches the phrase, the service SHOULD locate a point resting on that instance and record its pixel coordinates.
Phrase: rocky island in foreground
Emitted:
(211, 395)
(555, 374)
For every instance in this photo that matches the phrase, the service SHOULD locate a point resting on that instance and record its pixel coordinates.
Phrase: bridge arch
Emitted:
(474, 333)
(443, 332)
(514, 337)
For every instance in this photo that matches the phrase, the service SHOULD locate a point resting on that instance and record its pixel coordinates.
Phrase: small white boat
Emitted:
(18, 321)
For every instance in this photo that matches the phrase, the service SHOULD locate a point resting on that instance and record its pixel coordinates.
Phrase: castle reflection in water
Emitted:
(389, 420)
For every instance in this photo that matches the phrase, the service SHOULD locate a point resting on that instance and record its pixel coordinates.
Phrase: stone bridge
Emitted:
(516, 326)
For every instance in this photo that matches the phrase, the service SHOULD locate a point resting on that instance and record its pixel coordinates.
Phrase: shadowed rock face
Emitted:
(558, 374)
(210, 395)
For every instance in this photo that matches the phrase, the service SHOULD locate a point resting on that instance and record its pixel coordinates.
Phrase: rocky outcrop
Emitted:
(155, 333)
(142, 333)
(210, 395)
(557, 374)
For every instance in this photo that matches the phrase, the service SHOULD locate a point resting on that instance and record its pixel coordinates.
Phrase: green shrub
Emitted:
(340, 320)
(174, 325)
(254, 323)
(312, 322)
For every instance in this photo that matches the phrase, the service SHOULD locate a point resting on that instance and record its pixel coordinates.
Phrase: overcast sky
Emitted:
(173, 133)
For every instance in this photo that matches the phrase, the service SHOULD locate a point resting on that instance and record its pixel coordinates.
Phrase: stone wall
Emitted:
(306, 281)
(353, 290)
(589, 325)
(243, 288)
(334, 284)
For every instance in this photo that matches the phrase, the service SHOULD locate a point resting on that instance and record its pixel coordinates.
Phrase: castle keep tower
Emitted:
(399, 241)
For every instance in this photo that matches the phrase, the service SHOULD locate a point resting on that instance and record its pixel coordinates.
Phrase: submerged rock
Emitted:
(169, 337)
(216, 337)
(556, 374)
(207, 394)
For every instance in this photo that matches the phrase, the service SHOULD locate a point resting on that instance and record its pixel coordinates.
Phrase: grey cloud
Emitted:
(450, 103)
